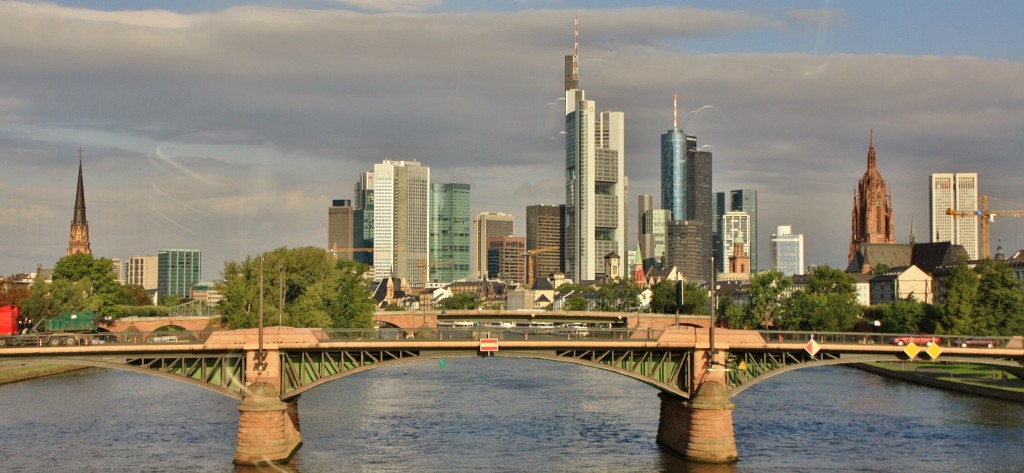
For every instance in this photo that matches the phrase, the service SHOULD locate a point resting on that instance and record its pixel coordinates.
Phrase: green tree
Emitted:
(957, 315)
(766, 292)
(902, 316)
(619, 295)
(318, 291)
(464, 301)
(999, 305)
(828, 304)
(576, 303)
(663, 297)
(736, 316)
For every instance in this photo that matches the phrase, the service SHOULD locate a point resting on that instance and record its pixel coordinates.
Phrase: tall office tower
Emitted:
(487, 225)
(177, 270)
(142, 271)
(79, 239)
(644, 203)
(739, 200)
(872, 208)
(544, 225)
(735, 229)
(787, 251)
(506, 260)
(362, 219)
(449, 233)
(401, 221)
(595, 186)
(957, 191)
(684, 249)
(117, 269)
(655, 233)
(340, 231)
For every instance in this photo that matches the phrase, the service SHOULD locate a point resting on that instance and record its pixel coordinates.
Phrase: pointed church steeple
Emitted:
(872, 159)
(79, 238)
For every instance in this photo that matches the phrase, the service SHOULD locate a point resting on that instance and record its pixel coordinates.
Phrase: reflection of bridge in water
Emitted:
(695, 381)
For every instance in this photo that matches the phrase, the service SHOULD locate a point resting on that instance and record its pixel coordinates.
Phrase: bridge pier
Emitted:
(700, 429)
(268, 428)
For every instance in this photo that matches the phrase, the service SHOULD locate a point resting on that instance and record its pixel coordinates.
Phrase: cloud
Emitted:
(249, 117)
(391, 5)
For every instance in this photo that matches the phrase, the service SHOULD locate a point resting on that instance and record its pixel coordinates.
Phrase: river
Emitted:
(513, 415)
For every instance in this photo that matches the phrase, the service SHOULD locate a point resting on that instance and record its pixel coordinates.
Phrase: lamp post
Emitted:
(280, 303)
(260, 365)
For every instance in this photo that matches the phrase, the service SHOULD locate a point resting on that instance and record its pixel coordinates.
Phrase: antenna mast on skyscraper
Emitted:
(576, 49)
(675, 113)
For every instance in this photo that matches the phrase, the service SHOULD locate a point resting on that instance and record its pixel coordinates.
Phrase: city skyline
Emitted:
(228, 129)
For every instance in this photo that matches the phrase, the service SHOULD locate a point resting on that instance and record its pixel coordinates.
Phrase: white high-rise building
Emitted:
(735, 229)
(787, 251)
(141, 271)
(401, 221)
(595, 182)
(957, 191)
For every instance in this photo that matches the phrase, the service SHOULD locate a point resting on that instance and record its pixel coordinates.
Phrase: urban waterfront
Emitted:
(507, 415)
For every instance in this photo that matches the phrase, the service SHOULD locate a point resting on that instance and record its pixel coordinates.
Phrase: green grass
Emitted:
(967, 373)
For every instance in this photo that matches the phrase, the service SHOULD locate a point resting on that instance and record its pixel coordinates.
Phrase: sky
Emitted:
(229, 126)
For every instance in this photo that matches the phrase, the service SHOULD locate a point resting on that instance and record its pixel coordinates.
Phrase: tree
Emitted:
(902, 316)
(318, 291)
(576, 303)
(11, 293)
(999, 305)
(463, 301)
(619, 295)
(828, 304)
(663, 297)
(736, 316)
(957, 315)
(766, 291)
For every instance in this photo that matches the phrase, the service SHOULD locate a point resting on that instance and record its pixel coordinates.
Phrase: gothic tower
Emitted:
(79, 241)
(872, 208)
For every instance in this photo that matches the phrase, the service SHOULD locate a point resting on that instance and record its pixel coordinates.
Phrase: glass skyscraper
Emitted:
(450, 224)
(177, 271)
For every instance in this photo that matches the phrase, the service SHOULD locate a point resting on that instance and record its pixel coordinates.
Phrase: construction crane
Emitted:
(334, 250)
(425, 267)
(531, 261)
(986, 217)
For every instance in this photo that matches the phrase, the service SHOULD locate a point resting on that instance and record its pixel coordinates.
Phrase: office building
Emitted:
(401, 221)
(595, 183)
(362, 219)
(340, 231)
(142, 271)
(117, 269)
(177, 270)
(787, 251)
(544, 225)
(685, 250)
(506, 259)
(450, 230)
(735, 230)
(957, 191)
(739, 200)
(487, 225)
(655, 236)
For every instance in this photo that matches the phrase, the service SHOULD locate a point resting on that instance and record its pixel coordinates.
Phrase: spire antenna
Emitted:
(576, 49)
(675, 113)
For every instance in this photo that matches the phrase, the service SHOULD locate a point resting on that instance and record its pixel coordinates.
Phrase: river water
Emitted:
(513, 415)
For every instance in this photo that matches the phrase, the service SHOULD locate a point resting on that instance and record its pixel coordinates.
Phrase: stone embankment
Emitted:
(34, 371)
(932, 380)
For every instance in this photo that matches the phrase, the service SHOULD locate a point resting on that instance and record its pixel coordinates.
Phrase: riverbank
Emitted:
(23, 373)
(979, 380)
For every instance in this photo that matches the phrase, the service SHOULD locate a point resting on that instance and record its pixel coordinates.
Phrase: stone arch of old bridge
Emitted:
(695, 381)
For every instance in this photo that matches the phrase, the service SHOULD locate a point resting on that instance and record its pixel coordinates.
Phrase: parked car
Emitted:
(986, 342)
(918, 338)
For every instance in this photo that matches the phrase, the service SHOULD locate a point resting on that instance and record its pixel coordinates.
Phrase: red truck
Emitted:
(69, 328)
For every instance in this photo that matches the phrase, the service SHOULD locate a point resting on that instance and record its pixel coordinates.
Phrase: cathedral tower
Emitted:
(79, 241)
(872, 208)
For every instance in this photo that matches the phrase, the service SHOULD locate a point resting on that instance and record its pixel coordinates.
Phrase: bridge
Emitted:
(695, 369)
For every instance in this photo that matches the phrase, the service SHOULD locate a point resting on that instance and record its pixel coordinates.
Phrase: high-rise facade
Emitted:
(177, 270)
(655, 234)
(340, 231)
(872, 208)
(544, 231)
(595, 183)
(957, 191)
(449, 233)
(506, 260)
(735, 230)
(362, 219)
(685, 249)
(738, 200)
(79, 235)
(401, 221)
(787, 251)
(487, 225)
(142, 271)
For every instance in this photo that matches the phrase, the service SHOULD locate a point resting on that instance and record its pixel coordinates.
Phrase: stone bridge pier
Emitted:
(701, 429)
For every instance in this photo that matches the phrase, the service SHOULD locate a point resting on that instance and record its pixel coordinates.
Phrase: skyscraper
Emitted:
(735, 229)
(739, 200)
(685, 249)
(957, 191)
(544, 225)
(177, 270)
(401, 220)
(79, 239)
(872, 208)
(449, 233)
(142, 271)
(362, 219)
(487, 225)
(655, 234)
(595, 183)
(787, 251)
(506, 260)
(686, 192)
(339, 228)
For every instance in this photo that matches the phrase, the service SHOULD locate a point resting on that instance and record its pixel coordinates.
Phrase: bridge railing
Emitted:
(872, 338)
(476, 333)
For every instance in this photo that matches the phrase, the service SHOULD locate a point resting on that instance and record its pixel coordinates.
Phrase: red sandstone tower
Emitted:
(79, 239)
(872, 207)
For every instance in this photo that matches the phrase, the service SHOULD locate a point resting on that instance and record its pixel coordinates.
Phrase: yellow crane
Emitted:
(334, 250)
(531, 261)
(986, 217)
(425, 267)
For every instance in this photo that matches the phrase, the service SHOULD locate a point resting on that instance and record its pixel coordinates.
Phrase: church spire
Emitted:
(79, 238)
(872, 160)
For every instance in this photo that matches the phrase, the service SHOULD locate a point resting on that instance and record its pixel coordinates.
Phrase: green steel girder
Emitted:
(300, 369)
(226, 371)
(670, 367)
(747, 367)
